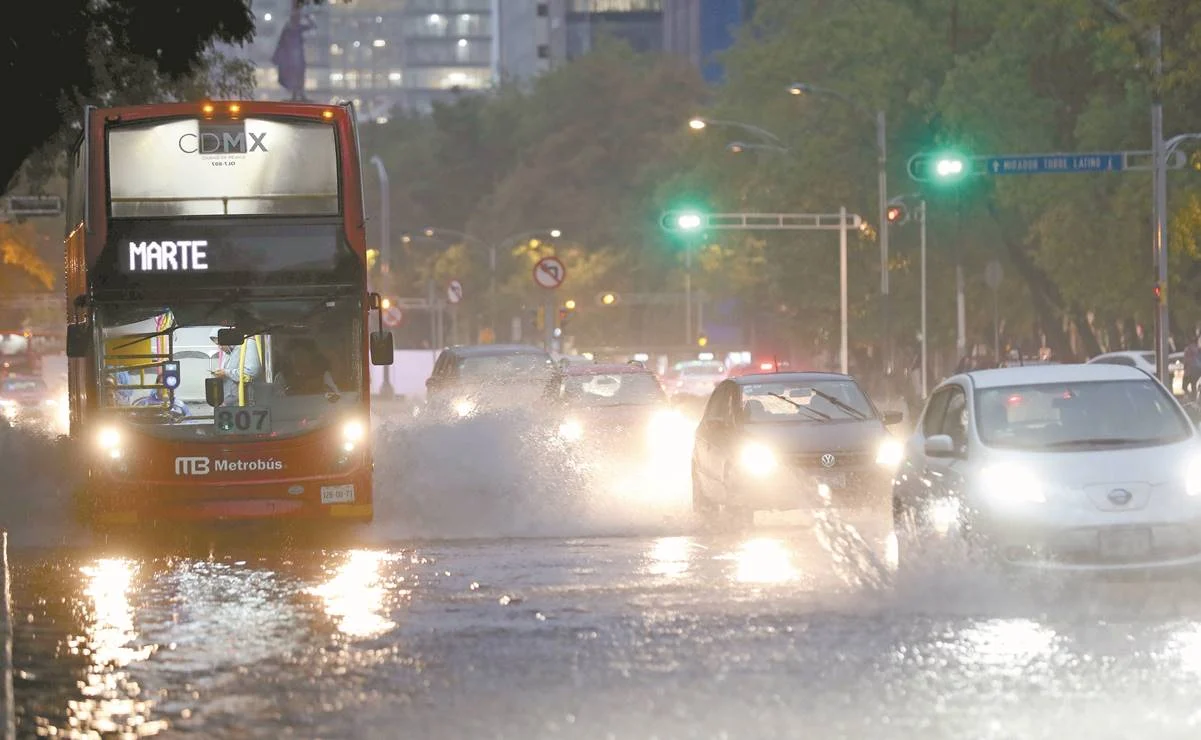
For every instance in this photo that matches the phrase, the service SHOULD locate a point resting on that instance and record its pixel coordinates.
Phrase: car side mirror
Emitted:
(382, 350)
(230, 337)
(214, 391)
(940, 445)
(892, 417)
(79, 339)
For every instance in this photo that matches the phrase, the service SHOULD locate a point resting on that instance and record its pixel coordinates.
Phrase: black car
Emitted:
(469, 379)
(780, 441)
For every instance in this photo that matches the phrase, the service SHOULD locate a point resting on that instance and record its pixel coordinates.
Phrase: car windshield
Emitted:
(505, 367)
(807, 401)
(1079, 415)
(616, 389)
(22, 385)
(301, 362)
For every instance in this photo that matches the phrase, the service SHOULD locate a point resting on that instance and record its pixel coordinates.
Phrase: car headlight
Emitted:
(1012, 482)
(50, 402)
(8, 408)
(109, 441)
(571, 430)
(757, 459)
(1192, 477)
(666, 427)
(464, 407)
(890, 452)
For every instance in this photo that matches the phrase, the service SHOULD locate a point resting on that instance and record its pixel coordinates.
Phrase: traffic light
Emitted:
(569, 304)
(1159, 293)
(897, 213)
(540, 319)
(683, 221)
(942, 167)
(702, 341)
(608, 299)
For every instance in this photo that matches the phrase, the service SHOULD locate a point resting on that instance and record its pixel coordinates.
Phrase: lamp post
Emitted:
(800, 89)
(492, 247)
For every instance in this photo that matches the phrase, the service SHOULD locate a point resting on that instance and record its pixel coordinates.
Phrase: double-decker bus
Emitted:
(218, 314)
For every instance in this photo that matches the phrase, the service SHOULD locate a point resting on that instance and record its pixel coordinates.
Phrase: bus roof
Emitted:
(226, 109)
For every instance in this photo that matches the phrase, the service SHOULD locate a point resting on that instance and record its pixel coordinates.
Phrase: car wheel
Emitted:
(734, 516)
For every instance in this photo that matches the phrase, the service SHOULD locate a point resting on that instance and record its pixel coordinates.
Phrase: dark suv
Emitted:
(469, 379)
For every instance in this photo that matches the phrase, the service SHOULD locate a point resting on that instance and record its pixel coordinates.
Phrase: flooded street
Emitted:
(704, 636)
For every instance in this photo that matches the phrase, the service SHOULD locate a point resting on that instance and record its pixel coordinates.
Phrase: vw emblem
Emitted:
(1120, 496)
(828, 461)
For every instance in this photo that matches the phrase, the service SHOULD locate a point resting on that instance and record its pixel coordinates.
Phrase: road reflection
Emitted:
(356, 595)
(112, 700)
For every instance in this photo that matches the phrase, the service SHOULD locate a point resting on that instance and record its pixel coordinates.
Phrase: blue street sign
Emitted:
(1040, 164)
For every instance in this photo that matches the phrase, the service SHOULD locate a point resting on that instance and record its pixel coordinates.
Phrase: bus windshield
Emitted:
(300, 365)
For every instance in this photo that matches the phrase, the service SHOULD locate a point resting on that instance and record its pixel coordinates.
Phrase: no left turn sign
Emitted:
(549, 272)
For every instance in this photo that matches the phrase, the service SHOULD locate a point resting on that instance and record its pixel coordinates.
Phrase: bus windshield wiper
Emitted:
(800, 407)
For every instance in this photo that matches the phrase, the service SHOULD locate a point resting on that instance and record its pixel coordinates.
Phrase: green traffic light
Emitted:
(688, 221)
(948, 167)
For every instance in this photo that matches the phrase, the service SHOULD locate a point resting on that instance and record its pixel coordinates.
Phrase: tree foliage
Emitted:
(63, 52)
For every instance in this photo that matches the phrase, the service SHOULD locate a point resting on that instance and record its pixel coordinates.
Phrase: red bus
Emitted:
(218, 314)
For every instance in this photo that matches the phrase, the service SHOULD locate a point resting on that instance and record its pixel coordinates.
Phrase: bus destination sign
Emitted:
(167, 256)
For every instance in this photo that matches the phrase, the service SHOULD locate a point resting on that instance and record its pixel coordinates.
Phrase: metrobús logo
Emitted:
(205, 465)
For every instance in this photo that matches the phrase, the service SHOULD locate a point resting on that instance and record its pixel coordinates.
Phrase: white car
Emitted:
(1055, 467)
(1145, 361)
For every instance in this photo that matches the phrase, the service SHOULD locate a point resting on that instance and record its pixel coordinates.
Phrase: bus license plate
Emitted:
(243, 420)
(1126, 544)
(338, 494)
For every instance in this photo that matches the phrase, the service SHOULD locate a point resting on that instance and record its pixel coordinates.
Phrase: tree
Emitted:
(63, 52)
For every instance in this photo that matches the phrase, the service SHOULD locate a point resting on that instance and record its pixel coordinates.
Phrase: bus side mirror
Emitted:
(79, 339)
(382, 351)
(214, 391)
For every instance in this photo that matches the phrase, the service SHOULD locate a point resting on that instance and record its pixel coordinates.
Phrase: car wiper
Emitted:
(849, 410)
(1099, 442)
(801, 407)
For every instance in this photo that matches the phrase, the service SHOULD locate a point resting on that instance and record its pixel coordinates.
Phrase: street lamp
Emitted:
(799, 89)
(492, 248)
(700, 124)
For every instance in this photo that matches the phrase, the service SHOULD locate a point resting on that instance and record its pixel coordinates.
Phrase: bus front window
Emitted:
(299, 366)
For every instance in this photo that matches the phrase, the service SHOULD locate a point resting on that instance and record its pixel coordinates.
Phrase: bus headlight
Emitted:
(109, 441)
(464, 407)
(758, 459)
(890, 452)
(353, 432)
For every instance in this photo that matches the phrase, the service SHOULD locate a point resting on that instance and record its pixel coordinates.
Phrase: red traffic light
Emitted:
(897, 214)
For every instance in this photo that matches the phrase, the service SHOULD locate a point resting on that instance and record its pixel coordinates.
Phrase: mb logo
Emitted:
(191, 466)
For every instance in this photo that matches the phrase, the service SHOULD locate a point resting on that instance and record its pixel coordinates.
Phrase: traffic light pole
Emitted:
(882, 178)
(688, 338)
(843, 222)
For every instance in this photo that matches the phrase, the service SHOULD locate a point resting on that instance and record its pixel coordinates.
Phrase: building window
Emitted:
(543, 51)
(543, 10)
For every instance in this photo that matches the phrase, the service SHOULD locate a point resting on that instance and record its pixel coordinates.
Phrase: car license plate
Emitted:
(833, 480)
(242, 420)
(1125, 544)
(337, 494)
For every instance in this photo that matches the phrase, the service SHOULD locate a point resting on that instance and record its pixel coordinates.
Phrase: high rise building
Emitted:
(701, 29)
(382, 54)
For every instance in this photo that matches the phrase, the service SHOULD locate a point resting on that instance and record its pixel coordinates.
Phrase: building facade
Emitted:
(700, 30)
(388, 55)
(383, 54)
